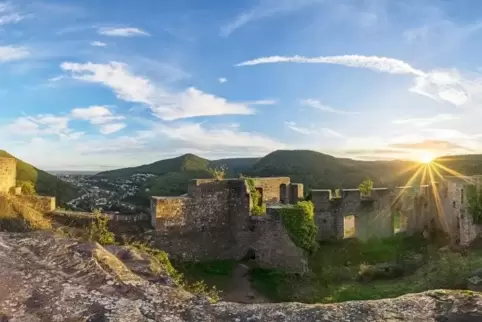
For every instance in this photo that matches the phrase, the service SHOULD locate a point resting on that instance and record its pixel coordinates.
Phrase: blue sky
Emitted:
(97, 85)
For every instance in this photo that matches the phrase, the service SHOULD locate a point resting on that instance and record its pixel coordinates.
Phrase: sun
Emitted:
(426, 157)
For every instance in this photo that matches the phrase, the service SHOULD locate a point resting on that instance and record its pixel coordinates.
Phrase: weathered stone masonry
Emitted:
(8, 174)
(436, 207)
(213, 221)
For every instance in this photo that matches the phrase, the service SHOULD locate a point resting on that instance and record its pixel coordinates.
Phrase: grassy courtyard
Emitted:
(353, 270)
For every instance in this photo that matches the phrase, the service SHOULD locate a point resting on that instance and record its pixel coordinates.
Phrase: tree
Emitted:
(366, 187)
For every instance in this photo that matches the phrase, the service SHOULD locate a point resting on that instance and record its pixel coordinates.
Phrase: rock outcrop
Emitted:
(45, 277)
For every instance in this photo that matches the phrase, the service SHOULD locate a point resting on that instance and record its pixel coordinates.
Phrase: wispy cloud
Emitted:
(326, 132)
(380, 64)
(112, 128)
(98, 44)
(8, 14)
(430, 145)
(318, 105)
(441, 85)
(222, 80)
(265, 9)
(11, 53)
(122, 32)
(96, 114)
(424, 121)
(262, 102)
(164, 103)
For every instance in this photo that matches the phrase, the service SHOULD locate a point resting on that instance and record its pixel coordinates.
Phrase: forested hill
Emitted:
(45, 183)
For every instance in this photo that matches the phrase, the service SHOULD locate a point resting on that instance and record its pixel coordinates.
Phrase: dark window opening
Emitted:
(260, 200)
(462, 196)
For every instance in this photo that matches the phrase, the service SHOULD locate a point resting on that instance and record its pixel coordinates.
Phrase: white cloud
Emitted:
(43, 124)
(219, 138)
(329, 133)
(264, 9)
(11, 53)
(424, 121)
(261, 102)
(96, 114)
(8, 15)
(112, 128)
(98, 44)
(122, 32)
(293, 126)
(441, 85)
(380, 64)
(164, 104)
(318, 105)
(222, 80)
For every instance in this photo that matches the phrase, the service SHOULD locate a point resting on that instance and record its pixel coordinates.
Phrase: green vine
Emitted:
(300, 224)
(256, 208)
(474, 199)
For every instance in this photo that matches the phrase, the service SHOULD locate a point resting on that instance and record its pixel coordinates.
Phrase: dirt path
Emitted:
(240, 289)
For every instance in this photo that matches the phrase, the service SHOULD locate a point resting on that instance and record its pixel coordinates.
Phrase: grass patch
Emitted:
(216, 274)
(335, 268)
(16, 215)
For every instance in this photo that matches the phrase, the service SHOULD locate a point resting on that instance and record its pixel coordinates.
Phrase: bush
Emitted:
(98, 230)
(28, 188)
(366, 187)
(300, 224)
(257, 209)
(218, 173)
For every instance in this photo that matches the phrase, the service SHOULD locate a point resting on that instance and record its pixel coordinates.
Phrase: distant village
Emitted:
(111, 195)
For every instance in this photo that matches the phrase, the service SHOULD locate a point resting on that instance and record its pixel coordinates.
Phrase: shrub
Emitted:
(162, 258)
(257, 209)
(98, 230)
(28, 188)
(218, 173)
(366, 187)
(300, 224)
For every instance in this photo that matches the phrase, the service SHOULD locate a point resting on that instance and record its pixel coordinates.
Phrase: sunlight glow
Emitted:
(426, 157)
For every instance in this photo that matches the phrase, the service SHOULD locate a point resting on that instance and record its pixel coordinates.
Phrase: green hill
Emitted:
(319, 171)
(184, 163)
(45, 183)
(315, 170)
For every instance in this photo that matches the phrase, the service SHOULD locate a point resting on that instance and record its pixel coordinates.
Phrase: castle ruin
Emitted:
(8, 184)
(213, 220)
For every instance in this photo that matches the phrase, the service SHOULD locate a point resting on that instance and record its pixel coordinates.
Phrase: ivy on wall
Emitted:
(256, 208)
(300, 224)
(474, 200)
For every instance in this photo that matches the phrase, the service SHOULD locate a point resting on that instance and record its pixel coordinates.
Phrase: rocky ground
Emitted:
(46, 277)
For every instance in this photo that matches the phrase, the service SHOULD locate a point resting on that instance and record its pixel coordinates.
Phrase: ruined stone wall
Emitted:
(41, 203)
(209, 223)
(8, 174)
(213, 221)
(273, 247)
(373, 217)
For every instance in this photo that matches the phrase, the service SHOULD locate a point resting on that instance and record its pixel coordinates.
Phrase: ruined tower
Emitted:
(8, 174)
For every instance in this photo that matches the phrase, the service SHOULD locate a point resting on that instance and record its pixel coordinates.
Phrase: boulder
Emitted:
(46, 277)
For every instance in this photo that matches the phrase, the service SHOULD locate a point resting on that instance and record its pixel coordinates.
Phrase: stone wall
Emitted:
(373, 217)
(209, 223)
(213, 221)
(273, 247)
(8, 174)
(41, 203)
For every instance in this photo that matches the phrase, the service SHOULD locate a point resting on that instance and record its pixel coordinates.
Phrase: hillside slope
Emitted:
(321, 171)
(45, 183)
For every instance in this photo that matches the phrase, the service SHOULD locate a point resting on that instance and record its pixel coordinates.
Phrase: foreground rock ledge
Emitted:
(44, 277)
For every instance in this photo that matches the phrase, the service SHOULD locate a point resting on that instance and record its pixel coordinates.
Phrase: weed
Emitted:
(98, 230)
